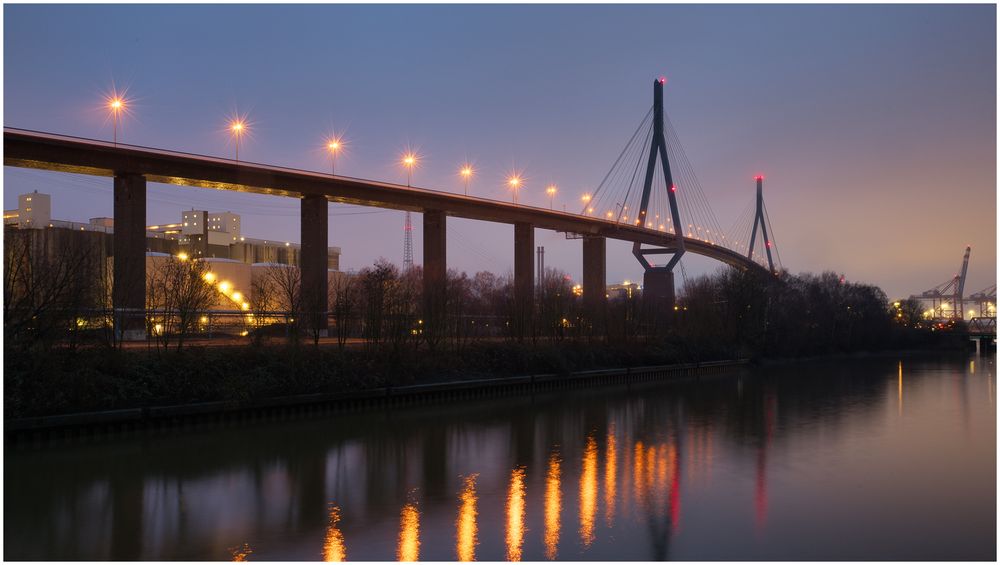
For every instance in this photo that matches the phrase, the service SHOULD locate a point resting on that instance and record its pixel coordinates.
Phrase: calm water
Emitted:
(874, 459)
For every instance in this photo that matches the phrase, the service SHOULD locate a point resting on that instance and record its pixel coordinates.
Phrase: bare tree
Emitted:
(263, 300)
(287, 283)
(458, 307)
(344, 299)
(49, 286)
(179, 295)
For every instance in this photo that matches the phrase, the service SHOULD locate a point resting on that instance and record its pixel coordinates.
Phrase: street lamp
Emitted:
(551, 191)
(410, 160)
(514, 181)
(334, 145)
(466, 172)
(116, 105)
(238, 127)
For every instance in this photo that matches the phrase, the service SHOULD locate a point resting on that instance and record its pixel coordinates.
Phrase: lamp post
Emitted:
(466, 172)
(551, 191)
(116, 105)
(409, 161)
(333, 145)
(237, 128)
(514, 181)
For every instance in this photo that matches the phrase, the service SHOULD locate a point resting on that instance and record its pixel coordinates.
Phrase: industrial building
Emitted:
(199, 234)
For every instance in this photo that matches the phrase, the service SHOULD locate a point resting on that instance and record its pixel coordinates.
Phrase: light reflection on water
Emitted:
(610, 476)
(553, 506)
(466, 527)
(409, 534)
(515, 514)
(588, 492)
(797, 462)
(333, 548)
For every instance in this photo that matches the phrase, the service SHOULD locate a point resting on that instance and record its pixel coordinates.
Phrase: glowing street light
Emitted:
(334, 145)
(466, 173)
(238, 127)
(410, 160)
(117, 105)
(514, 181)
(551, 191)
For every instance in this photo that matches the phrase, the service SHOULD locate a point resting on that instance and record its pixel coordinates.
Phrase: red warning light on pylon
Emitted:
(758, 177)
(673, 188)
(663, 80)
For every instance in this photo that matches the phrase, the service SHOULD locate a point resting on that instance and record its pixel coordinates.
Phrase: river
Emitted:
(887, 458)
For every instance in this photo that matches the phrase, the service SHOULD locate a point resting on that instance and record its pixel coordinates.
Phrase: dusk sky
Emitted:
(874, 125)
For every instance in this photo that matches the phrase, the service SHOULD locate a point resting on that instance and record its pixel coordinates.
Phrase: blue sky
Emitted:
(875, 125)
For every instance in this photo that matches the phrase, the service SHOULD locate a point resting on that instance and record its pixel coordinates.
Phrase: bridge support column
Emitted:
(314, 225)
(658, 293)
(435, 275)
(524, 277)
(128, 291)
(595, 298)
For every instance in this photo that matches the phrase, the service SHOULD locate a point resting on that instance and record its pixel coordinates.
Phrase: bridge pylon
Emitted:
(759, 220)
(658, 280)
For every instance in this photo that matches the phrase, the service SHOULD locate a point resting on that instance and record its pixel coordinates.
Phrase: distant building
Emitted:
(624, 290)
(199, 234)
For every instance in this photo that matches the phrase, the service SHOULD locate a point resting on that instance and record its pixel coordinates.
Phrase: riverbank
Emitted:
(88, 425)
(88, 380)
(108, 389)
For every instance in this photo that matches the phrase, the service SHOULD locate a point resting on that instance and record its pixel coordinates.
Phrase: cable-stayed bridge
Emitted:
(650, 197)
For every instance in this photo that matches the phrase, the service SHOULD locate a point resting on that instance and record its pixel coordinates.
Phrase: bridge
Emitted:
(132, 167)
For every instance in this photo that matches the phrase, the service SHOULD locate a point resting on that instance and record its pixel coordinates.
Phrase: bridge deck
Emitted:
(38, 150)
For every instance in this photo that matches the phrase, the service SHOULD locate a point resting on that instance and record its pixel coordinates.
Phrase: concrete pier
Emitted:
(128, 292)
(313, 257)
(435, 273)
(658, 292)
(524, 277)
(595, 298)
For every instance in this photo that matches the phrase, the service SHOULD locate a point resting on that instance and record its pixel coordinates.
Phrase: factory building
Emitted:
(199, 234)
